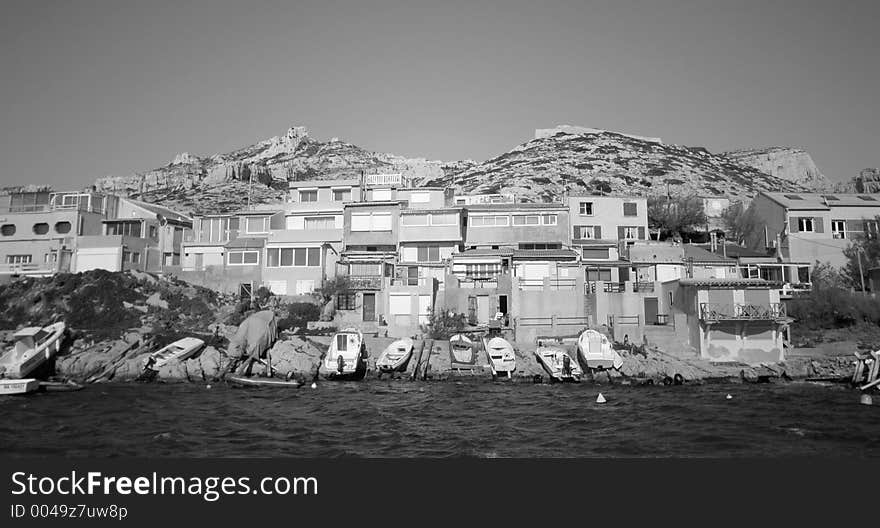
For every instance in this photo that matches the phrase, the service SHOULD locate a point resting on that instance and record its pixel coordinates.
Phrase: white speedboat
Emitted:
(596, 352)
(180, 350)
(395, 356)
(502, 359)
(462, 349)
(10, 387)
(346, 357)
(558, 363)
(33, 346)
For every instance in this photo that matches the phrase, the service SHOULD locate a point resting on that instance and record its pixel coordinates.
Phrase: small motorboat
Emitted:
(33, 347)
(395, 356)
(596, 352)
(260, 381)
(9, 387)
(462, 349)
(346, 357)
(180, 350)
(502, 359)
(558, 363)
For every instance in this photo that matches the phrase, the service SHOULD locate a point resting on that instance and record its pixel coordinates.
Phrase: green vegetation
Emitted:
(675, 215)
(740, 222)
(445, 324)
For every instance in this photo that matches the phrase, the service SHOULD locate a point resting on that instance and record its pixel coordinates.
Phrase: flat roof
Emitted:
(823, 201)
(324, 183)
(730, 283)
(515, 206)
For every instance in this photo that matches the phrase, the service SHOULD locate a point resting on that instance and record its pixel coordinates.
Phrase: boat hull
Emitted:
(387, 361)
(10, 387)
(19, 365)
(596, 353)
(549, 360)
(264, 382)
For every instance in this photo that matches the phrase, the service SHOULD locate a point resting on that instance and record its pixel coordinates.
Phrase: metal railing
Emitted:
(365, 282)
(31, 267)
(643, 286)
(614, 287)
(623, 319)
(567, 283)
(741, 312)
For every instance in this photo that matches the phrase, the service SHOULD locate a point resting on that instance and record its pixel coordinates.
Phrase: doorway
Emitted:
(651, 310)
(369, 311)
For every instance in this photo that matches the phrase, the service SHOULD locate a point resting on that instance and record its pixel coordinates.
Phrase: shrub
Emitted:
(444, 324)
(298, 315)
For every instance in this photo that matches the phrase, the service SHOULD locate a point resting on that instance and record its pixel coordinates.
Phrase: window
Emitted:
(308, 195)
(595, 253)
(18, 259)
(126, 255)
(41, 229)
(429, 254)
(218, 229)
(444, 219)
(420, 197)
(371, 222)
(257, 224)
(541, 245)
(154, 232)
(414, 220)
(7, 229)
(342, 195)
(381, 194)
(131, 228)
(838, 229)
(630, 209)
(482, 271)
(586, 208)
(243, 258)
(631, 233)
(346, 301)
(805, 224)
(289, 257)
(135, 257)
(62, 227)
(486, 221)
(520, 220)
(588, 232)
(320, 222)
(600, 274)
(549, 219)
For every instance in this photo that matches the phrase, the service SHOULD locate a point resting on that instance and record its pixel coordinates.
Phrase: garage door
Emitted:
(109, 259)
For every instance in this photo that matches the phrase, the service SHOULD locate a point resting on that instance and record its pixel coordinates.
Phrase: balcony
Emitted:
(614, 287)
(714, 312)
(548, 283)
(643, 287)
(365, 282)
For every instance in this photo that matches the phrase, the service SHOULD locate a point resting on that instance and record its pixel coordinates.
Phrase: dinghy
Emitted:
(395, 356)
(502, 359)
(10, 387)
(180, 350)
(33, 346)
(346, 357)
(596, 352)
(558, 363)
(259, 381)
(462, 349)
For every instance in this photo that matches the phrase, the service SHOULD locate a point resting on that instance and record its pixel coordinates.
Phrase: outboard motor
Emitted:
(340, 363)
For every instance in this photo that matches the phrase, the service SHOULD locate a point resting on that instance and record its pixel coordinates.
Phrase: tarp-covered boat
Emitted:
(255, 335)
(346, 357)
(395, 356)
(558, 363)
(596, 352)
(502, 359)
(33, 347)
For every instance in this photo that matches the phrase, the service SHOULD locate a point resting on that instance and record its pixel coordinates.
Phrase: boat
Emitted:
(346, 357)
(462, 349)
(260, 381)
(9, 387)
(395, 356)
(33, 346)
(596, 352)
(558, 363)
(180, 350)
(502, 359)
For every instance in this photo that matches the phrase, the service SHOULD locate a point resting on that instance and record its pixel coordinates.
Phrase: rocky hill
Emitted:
(219, 183)
(592, 161)
(790, 164)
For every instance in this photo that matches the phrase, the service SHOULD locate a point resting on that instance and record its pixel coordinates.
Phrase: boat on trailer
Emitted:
(33, 346)
(502, 359)
(558, 363)
(395, 356)
(345, 359)
(180, 350)
(596, 351)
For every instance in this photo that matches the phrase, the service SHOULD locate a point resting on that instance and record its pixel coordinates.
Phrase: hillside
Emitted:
(794, 165)
(598, 161)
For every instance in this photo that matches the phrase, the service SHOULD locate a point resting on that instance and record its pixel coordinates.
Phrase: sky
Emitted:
(91, 89)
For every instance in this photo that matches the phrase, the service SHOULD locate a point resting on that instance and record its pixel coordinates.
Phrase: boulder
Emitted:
(156, 300)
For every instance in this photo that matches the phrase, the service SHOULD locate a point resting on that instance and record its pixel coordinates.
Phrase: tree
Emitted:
(444, 324)
(675, 214)
(825, 276)
(331, 288)
(739, 222)
(864, 250)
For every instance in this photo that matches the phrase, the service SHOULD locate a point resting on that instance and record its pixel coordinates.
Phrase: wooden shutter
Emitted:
(818, 226)
(597, 234)
(620, 232)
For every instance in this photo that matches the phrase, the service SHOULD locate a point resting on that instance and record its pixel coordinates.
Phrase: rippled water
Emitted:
(413, 419)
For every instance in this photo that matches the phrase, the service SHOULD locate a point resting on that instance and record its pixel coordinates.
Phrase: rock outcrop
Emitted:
(790, 164)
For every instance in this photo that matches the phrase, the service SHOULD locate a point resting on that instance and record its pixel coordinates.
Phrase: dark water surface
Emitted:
(412, 419)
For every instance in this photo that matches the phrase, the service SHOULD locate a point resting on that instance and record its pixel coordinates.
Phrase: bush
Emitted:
(444, 324)
(298, 315)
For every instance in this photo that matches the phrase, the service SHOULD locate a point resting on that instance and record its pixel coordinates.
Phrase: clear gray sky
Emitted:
(91, 89)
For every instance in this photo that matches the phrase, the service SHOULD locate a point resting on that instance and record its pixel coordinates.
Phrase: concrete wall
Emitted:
(219, 278)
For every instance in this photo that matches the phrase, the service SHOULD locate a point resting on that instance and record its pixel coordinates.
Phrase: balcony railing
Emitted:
(643, 287)
(29, 268)
(472, 282)
(567, 283)
(614, 287)
(742, 312)
(365, 282)
(623, 319)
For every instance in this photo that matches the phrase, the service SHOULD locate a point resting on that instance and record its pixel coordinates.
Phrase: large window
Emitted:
(346, 301)
(805, 225)
(216, 230)
(630, 209)
(243, 257)
(342, 195)
(371, 222)
(429, 254)
(127, 228)
(293, 257)
(256, 224)
(482, 271)
(320, 222)
(308, 195)
(838, 228)
(444, 219)
(586, 208)
(631, 233)
(18, 259)
(588, 232)
(27, 202)
(539, 245)
(487, 221)
(520, 220)
(595, 253)
(600, 274)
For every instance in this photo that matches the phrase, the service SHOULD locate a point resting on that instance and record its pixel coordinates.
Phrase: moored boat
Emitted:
(9, 387)
(596, 352)
(558, 363)
(462, 349)
(395, 356)
(260, 381)
(180, 350)
(33, 347)
(502, 359)
(346, 357)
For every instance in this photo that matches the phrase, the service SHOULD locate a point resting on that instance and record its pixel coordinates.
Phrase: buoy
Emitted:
(600, 399)
(314, 385)
(866, 399)
(208, 386)
(729, 397)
